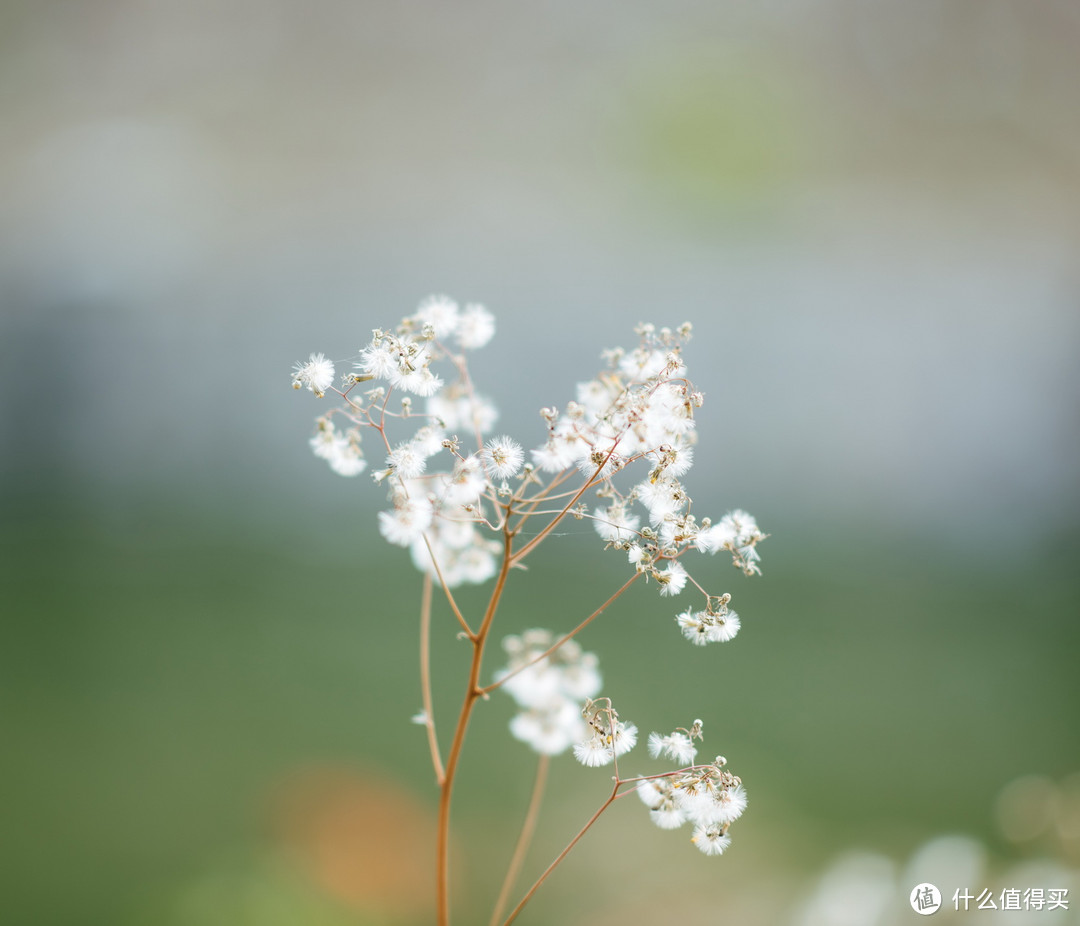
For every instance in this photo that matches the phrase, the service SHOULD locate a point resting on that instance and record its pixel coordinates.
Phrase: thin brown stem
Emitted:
(551, 649)
(538, 539)
(425, 678)
(528, 828)
(446, 590)
(472, 693)
(543, 495)
(573, 842)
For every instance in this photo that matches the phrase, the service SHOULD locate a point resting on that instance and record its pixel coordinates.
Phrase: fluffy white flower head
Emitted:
(476, 327)
(317, 374)
(712, 840)
(502, 457)
(441, 313)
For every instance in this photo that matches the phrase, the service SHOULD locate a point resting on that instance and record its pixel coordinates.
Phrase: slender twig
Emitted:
(472, 693)
(528, 828)
(446, 590)
(538, 539)
(573, 842)
(543, 495)
(551, 649)
(425, 678)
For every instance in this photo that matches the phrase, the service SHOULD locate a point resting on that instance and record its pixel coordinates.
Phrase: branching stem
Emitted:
(472, 693)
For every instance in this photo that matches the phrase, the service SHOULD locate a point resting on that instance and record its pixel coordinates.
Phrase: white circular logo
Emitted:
(925, 899)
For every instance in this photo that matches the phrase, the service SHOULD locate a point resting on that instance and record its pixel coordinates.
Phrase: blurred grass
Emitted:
(164, 674)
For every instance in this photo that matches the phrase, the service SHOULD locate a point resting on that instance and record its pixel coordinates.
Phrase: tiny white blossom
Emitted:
(730, 804)
(676, 746)
(502, 457)
(712, 840)
(378, 360)
(341, 451)
(549, 732)
(428, 441)
(724, 627)
(667, 816)
(614, 524)
(317, 374)
(718, 536)
(601, 748)
(672, 579)
(441, 313)
(407, 522)
(693, 627)
(476, 327)
(421, 382)
(466, 483)
(406, 460)
(649, 792)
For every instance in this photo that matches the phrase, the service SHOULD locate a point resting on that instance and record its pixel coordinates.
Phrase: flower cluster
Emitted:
(608, 737)
(548, 684)
(716, 624)
(638, 416)
(635, 416)
(708, 796)
(470, 504)
(437, 510)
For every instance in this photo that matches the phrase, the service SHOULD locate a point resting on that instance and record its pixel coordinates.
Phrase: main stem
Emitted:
(472, 693)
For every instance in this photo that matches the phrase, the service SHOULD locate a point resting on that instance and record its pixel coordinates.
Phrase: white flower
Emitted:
(712, 840)
(614, 524)
(693, 627)
(664, 498)
(463, 554)
(428, 441)
(465, 484)
(502, 457)
(667, 816)
(642, 363)
(672, 579)
(476, 327)
(701, 627)
(730, 804)
(317, 374)
(601, 748)
(406, 460)
(549, 732)
(346, 459)
(378, 360)
(581, 678)
(600, 461)
(559, 452)
(676, 746)
(341, 451)
(593, 752)
(407, 522)
(441, 313)
(724, 627)
(649, 792)
(659, 796)
(718, 536)
(421, 382)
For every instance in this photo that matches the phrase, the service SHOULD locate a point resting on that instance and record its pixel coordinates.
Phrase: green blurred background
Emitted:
(869, 213)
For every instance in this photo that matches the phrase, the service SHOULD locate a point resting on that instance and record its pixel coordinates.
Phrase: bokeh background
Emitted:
(869, 211)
